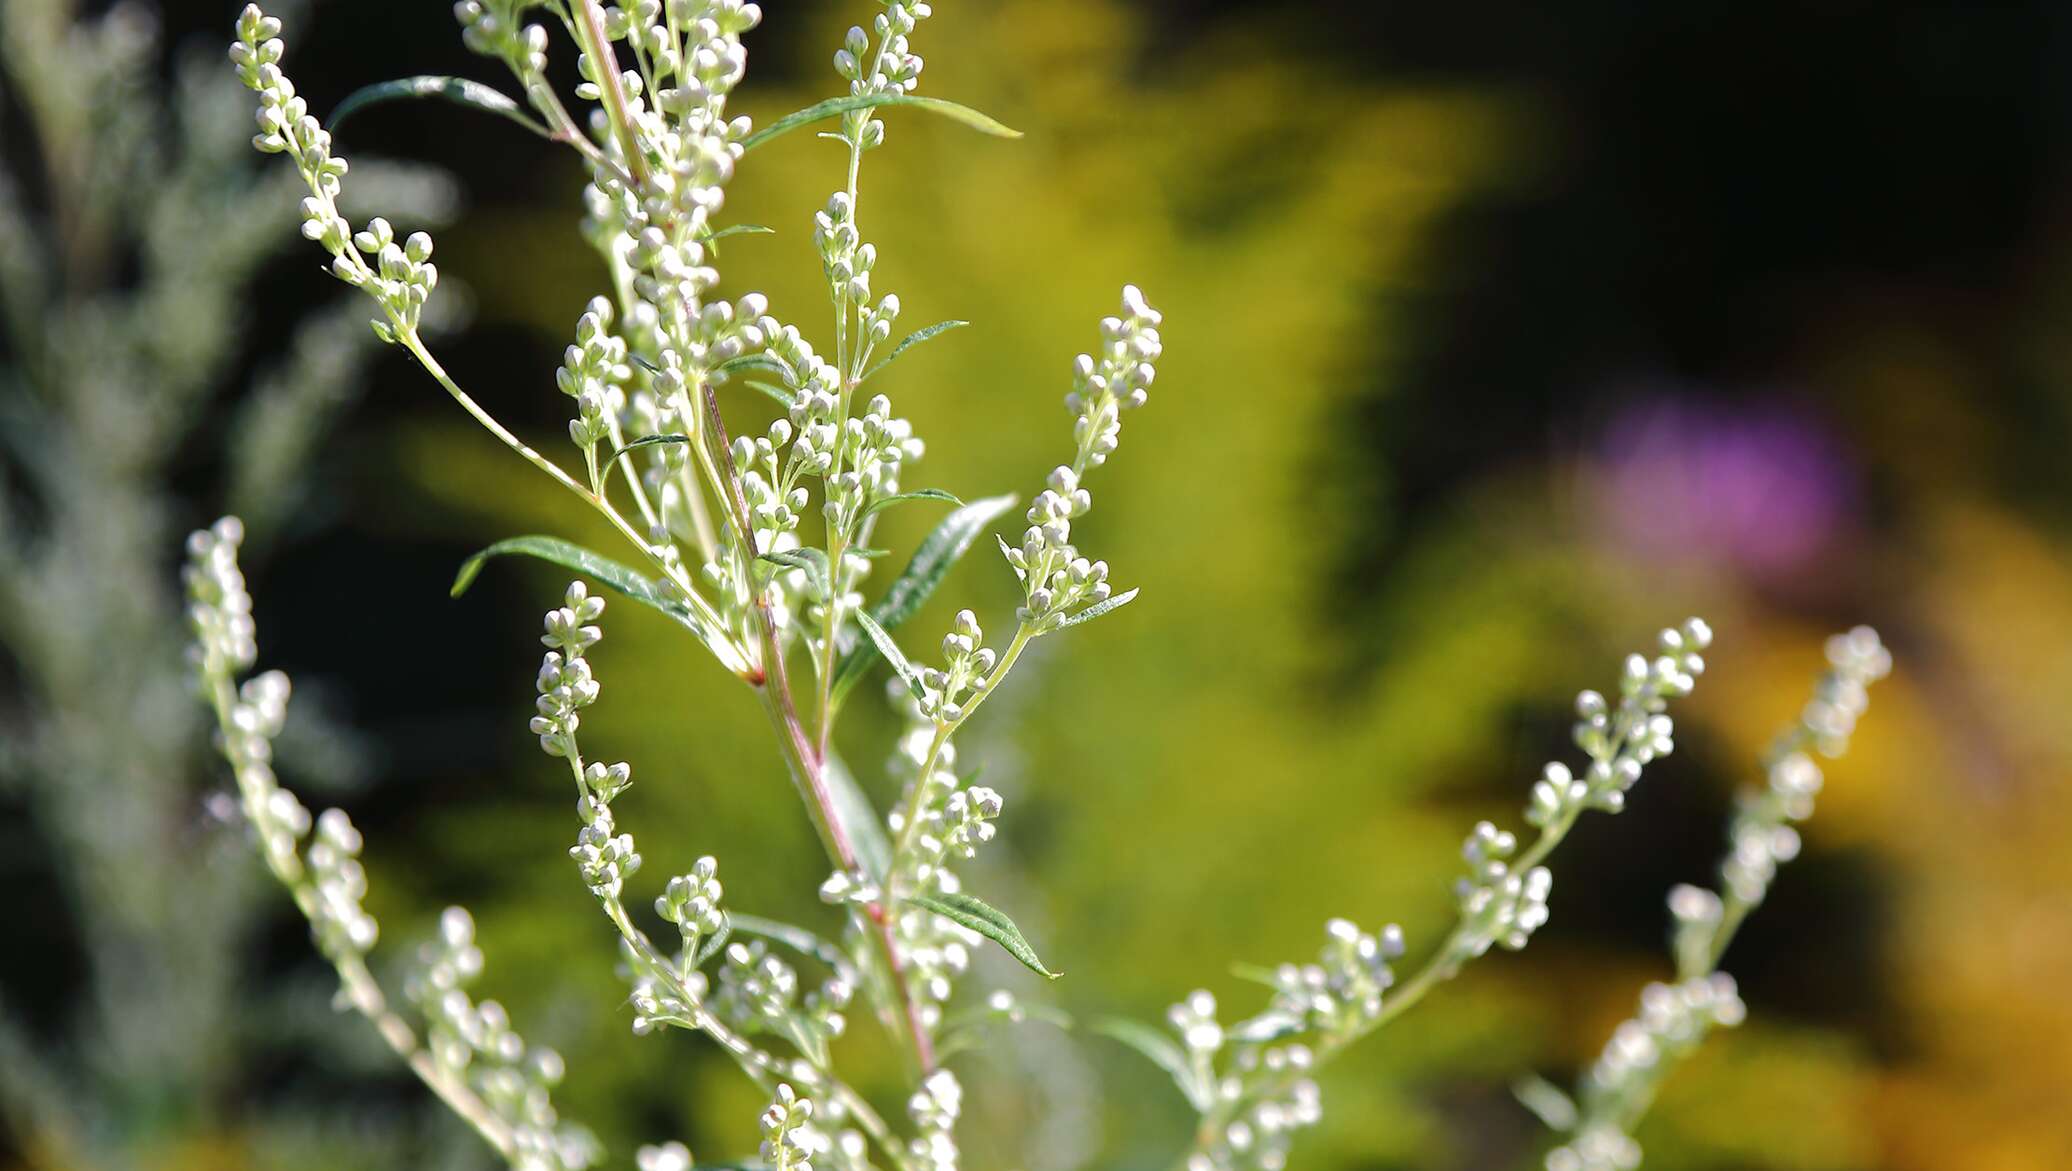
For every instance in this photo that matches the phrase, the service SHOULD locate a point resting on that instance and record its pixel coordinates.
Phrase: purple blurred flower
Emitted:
(1759, 486)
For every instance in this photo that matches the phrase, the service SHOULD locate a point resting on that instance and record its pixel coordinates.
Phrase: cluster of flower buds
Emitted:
(1342, 991)
(593, 372)
(474, 1044)
(1763, 833)
(219, 609)
(759, 993)
(845, 257)
(1673, 1020)
(494, 28)
(565, 683)
(1623, 740)
(219, 612)
(604, 857)
(1498, 904)
(691, 901)
(401, 277)
(1115, 379)
(875, 447)
(790, 1141)
(964, 674)
(341, 924)
(893, 68)
(1856, 660)
(1274, 1098)
(1057, 582)
(934, 1107)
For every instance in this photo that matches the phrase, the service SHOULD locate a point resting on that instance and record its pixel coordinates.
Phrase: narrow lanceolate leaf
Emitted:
(749, 362)
(714, 942)
(973, 913)
(909, 342)
(930, 564)
(1163, 1051)
(637, 444)
(458, 90)
(783, 396)
(739, 230)
(859, 818)
(893, 655)
(1547, 1100)
(917, 494)
(813, 561)
(797, 939)
(1097, 609)
(837, 106)
(569, 555)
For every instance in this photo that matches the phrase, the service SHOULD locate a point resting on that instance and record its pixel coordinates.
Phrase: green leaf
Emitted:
(458, 90)
(1267, 1026)
(738, 230)
(917, 494)
(797, 939)
(813, 561)
(842, 105)
(859, 818)
(637, 444)
(1097, 609)
(1256, 974)
(929, 565)
(1163, 1051)
(783, 396)
(908, 342)
(1548, 1101)
(717, 940)
(973, 913)
(569, 555)
(891, 651)
(750, 362)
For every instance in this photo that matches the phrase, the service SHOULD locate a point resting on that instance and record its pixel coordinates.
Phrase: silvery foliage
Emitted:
(1253, 1082)
(1675, 1018)
(132, 222)
(759, 546)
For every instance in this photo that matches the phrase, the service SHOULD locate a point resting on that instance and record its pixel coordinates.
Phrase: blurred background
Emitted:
(1497, 336)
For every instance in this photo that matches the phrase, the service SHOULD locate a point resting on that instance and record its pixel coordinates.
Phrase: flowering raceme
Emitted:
(758, 542)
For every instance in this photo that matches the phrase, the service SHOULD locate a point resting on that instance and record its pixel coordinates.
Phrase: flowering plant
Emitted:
(760, 546)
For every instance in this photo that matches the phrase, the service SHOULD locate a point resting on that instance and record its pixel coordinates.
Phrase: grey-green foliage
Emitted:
(132, 221)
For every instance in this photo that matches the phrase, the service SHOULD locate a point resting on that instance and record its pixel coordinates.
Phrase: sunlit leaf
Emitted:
(917, 494)
(796, 938)
(1163, 1051)
(908, 342)
(893, 655)
(458, 90)
(637, 444)
(929, 565)
(859, 818)
(973, 913)
(1097, 609)
(842, 105)
(813, 561)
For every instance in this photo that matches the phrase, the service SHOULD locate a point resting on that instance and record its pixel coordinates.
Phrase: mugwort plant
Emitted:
(760, 546)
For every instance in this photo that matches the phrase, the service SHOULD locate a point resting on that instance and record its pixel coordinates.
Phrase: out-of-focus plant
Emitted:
(131, 227)
(758, 545)
(1675, 1018)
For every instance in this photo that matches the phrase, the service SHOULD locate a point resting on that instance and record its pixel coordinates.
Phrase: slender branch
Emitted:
(598, 46)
